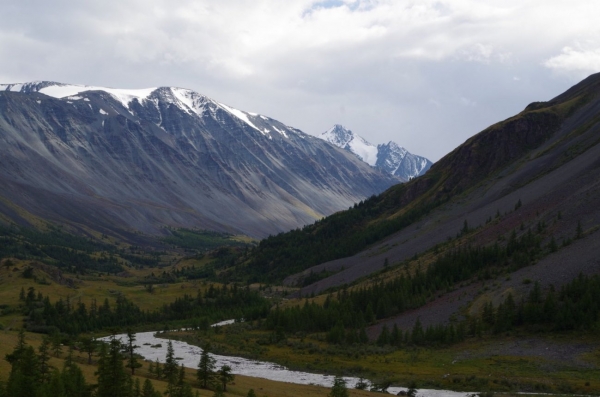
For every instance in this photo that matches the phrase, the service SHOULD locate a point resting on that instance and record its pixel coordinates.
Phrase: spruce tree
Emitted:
(43, 358)
(225, 376)
(89, 345)
(206, 367)
(170, 368)
(74, 382)
(339, 388)
(148, 390)
(113, 379)
(130, 347)
(384, 336)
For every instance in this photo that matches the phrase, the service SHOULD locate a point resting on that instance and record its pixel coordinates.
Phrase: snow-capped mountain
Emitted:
(389, 157)
(140, 159)
(345, 139)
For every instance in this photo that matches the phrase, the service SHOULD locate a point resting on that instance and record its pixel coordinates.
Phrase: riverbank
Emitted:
(507, 364)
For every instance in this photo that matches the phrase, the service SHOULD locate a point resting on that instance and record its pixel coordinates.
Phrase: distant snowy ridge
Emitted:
(345, 139)
(389, 157)
(187, 100)
(145, 158)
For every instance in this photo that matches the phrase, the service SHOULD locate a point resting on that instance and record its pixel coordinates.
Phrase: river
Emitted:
(153, 347)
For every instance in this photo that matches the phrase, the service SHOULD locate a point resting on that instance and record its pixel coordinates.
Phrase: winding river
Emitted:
(153, 347)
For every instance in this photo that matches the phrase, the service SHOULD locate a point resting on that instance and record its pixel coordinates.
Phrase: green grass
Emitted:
(469, 366)
(239, 387)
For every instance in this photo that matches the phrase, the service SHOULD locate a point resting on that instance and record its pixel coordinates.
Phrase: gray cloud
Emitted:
(425, 74)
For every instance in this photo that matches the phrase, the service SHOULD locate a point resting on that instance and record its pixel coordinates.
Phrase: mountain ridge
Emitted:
(485, 177)
(389, 157)
(141, 159)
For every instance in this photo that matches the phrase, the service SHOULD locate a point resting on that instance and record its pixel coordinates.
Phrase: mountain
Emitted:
(521, 197)
(389, 157)
(112, 159)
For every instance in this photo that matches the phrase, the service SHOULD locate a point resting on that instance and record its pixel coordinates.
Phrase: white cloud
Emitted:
(577, 60)
(301, 60)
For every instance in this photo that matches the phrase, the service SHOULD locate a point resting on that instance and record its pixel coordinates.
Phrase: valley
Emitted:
(481, 275)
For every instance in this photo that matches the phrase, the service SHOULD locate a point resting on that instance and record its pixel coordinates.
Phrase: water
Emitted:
(189, 355)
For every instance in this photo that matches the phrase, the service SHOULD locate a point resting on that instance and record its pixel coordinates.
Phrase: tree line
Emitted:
(344, 315)
(74, 317)
(31, 374)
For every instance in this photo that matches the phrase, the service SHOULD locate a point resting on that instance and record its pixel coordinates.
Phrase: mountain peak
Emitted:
(148, 157)
(344, 138)
(389, 157)
(187, 100)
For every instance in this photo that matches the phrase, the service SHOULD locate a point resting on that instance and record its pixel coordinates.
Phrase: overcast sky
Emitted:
(425, 74)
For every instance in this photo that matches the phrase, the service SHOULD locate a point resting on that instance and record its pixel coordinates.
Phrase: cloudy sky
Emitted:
(426, 74)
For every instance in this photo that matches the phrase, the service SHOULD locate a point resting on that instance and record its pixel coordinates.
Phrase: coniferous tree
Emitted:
(113, 379)
(130, 347)
(74, 382)
(43, 359)
(54, 387)
(170, 367)
(362, 336)
(218, 391)
(89, 345)
(384, 336)
(339, 388)
(24, 376)
(206, 367)
(225, 376)
(137, 390)
(158, 369)
(181, 388)
(56, 344)
(418, 335)
(148, 390)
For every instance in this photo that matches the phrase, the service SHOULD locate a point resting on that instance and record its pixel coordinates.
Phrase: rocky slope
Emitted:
(111, 159)
(539, 167)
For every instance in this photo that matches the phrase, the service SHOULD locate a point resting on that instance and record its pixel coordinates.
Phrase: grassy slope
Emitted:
(474, 365)
(240, 386)
(88, 288)
(480, 158)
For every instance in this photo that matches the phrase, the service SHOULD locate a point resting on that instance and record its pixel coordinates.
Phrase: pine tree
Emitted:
(43, 359)
(206, 367)
(362, 336)
(339, 388)
(218, 391)
(130, 347)
(56, 344)
(412, 389)
(225, 376)
(74, 382)
(89, 345)
(151, 367)
(418, 335)
(384, 336)
(137, 391)
(170, 368)
(158, 369)
(148, 390)
(24, 374)
(113, 380)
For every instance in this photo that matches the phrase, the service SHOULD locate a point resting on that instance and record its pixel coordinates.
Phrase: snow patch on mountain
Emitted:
(242, 116)
(187, 100)
(345, 139)
(390, 157)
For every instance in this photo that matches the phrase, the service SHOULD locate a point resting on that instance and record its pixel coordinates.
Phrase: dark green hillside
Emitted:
(477, 160)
